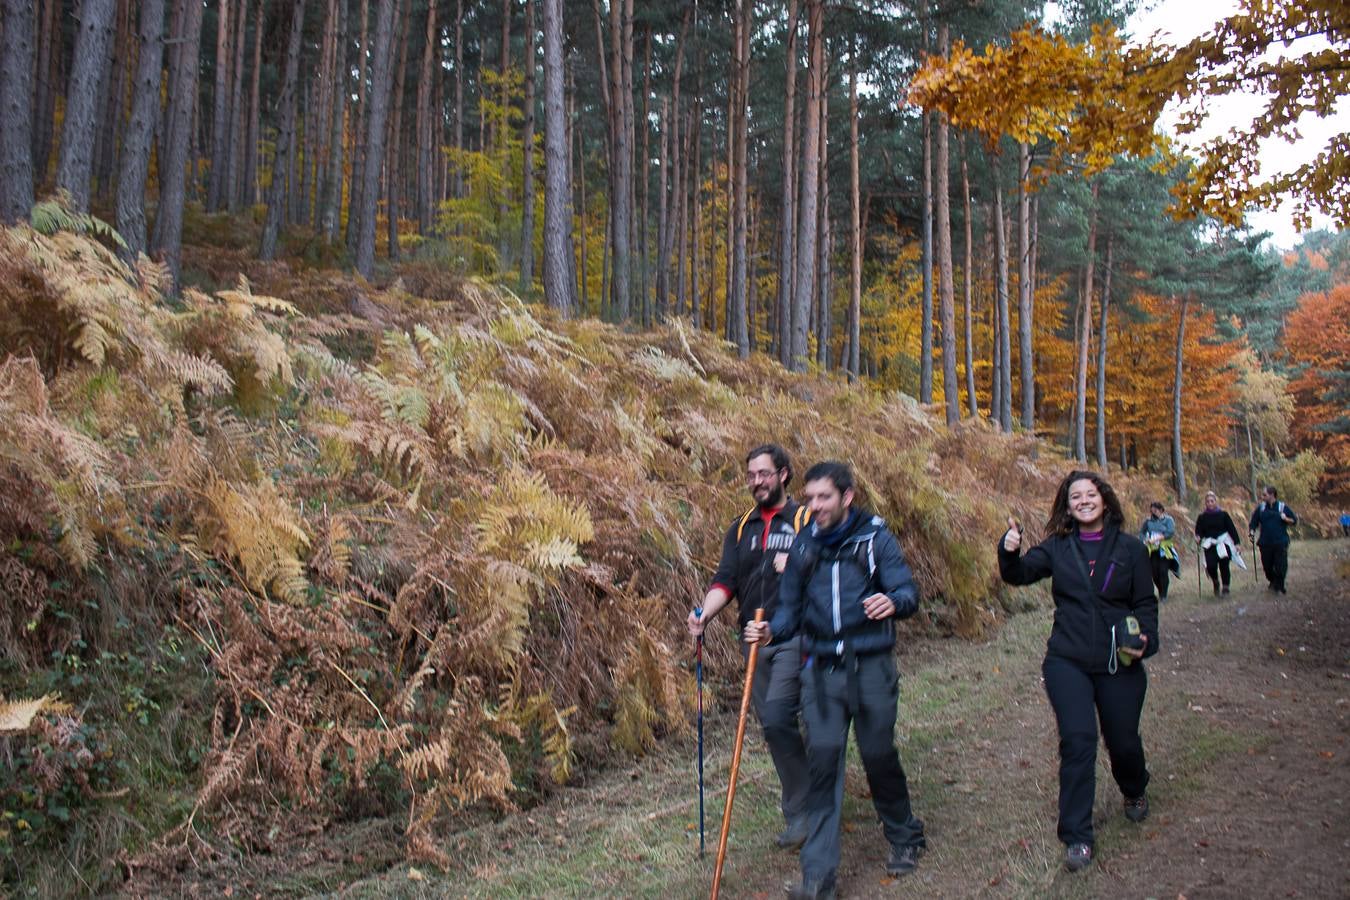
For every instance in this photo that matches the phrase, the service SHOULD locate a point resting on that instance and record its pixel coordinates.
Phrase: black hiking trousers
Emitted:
(1217, 566)
(863, 691)
(1275, 562)
(1159, 568)
(1081, 699)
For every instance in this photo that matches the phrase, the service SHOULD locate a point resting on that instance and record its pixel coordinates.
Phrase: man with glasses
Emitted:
(754, 553)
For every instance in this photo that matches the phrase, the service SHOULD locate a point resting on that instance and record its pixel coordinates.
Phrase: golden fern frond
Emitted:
(17, 715)
(203, 373)
(264, 533)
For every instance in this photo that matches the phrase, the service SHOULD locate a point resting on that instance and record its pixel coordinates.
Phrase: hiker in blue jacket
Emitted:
(1104, 603)
(1272, 519)
(845, 584)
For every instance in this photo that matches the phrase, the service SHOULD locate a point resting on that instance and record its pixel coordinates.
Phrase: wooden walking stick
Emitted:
(736, 760)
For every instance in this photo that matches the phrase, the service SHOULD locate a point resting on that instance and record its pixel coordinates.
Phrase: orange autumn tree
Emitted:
(1140, 400)
(1317, 342)
(1081, 98)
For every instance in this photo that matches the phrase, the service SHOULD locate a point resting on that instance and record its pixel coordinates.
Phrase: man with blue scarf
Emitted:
(845, 584)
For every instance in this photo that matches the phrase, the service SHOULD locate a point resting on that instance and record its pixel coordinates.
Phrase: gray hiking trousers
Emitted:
(776, 696)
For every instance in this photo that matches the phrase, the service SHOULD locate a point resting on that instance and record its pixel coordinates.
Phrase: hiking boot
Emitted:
(791, 837)
(812, 890)
(903, 861)
(1216, 590)
(1136, 808)
(1078, 856)
(1225, 590)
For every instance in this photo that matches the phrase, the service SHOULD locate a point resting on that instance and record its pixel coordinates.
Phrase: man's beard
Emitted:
(773, 500)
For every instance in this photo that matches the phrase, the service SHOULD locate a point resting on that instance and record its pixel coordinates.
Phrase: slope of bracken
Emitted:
(300, 549)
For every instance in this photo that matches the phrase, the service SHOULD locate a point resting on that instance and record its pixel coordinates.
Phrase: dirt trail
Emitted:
(1245, 726)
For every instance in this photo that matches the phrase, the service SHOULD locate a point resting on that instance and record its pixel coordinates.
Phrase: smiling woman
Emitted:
(1106, 621)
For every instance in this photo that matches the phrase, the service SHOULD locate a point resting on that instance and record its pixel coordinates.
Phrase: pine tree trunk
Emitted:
(356, 202)
(643, 198)
(238, 128)
(926, 251)
(1085, 338)
(739, 299)
(1178, 459)
(252, 187)
(1025, 294)
(855, 261)
(682, 212)
(971, 401)
(527, 186)
(663, 131)
(1101, 355)
(427, 133)
(87, 72)
(673, 204)
(1003, 410)
(112, 101)
(44, 100)
(380, 86)
(559, 288)
(805, 278)
(140, 132)
(215, 200)
(331, 215)
(393, 168)
(621, 159)
(824, 239)
(787, 234)
(16, 138)
(577, 163)
(178, 123)
(947, 290)
(459, 93)
(277, 193)
(695, 208)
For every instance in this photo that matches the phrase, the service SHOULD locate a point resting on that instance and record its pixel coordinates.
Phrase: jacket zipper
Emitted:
(838, 625)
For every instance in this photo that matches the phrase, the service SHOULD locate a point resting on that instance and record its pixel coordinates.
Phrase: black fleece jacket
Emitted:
(1083, 614)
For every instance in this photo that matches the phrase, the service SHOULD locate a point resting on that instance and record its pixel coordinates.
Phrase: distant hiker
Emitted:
(1219, 539)
(1157, 533)
(754, 552)
(846, 582)
(1106, 620)
(1272, 519)
(1345, 524)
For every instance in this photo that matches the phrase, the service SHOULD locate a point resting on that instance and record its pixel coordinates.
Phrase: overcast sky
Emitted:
(1181, 20)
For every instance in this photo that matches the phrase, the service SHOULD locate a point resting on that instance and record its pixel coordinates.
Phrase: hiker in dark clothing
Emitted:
(1272, 519)
(1104, 602)
(845, 584)
(1157, 533)
(754, 552)
(1218, 537)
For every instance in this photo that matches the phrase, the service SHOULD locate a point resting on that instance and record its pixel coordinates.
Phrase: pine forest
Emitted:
(376, 375)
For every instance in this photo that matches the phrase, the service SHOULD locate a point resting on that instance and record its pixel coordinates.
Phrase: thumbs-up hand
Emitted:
(1012, 541)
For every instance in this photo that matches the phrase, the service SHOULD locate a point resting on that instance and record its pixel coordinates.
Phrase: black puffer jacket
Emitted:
(823, 588)
(1083, 613)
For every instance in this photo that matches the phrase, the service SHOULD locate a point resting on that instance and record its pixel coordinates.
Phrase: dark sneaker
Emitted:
(1225, 589)
(812, 890)
(1077, 857)
(903, 861)
(1136, 808)
(791, 837)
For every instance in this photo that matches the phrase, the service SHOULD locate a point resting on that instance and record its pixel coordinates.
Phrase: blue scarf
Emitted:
(833, 537)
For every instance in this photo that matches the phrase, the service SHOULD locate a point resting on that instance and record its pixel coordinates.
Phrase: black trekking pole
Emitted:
(1198, 553)
(1256, 557)
(698, 668)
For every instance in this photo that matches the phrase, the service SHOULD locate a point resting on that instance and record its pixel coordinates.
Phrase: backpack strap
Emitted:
(801, 519)
(740, 528)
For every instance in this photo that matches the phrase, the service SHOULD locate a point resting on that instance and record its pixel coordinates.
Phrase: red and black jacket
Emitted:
(746, 571)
